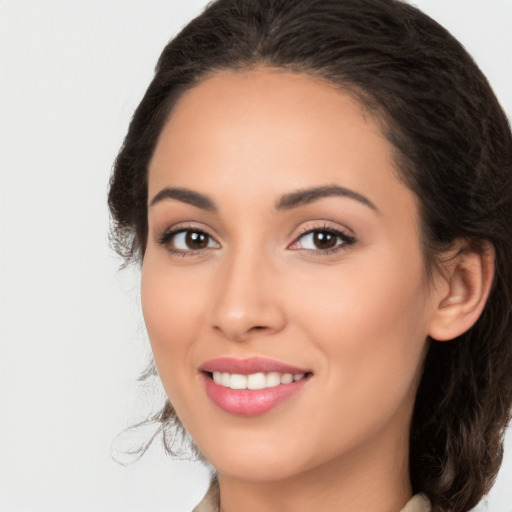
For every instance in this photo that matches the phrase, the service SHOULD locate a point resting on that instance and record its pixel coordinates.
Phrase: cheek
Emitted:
(364, 301)
(370, 324)
(172, 311)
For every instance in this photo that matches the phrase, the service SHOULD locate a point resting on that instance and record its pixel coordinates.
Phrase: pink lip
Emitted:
(249, 402)
(248, 366)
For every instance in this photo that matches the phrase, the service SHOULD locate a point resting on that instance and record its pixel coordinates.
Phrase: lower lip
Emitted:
(250, 402)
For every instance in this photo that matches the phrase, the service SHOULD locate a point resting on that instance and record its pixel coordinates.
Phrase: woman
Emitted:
(320, 194)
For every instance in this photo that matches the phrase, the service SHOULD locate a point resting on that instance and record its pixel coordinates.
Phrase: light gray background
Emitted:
(72, 338)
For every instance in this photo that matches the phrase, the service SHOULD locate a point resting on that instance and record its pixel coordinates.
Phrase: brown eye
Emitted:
(188, 241)
(196, 239)
(324, 240)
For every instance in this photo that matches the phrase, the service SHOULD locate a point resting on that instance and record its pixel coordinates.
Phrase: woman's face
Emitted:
(283, 255)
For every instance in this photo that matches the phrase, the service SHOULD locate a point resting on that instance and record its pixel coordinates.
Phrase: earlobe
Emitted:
(460, 299)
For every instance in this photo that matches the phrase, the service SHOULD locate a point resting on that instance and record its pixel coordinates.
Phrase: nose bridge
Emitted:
(245, 302)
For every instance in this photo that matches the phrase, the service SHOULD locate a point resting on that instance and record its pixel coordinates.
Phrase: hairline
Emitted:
(368, 104)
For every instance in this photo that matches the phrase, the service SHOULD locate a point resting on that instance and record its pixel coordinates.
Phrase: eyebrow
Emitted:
(309, 195)
(286, 202)
(185, 195)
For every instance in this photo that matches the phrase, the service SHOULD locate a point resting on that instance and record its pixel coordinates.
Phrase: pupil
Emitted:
(324, 240)
(196, 240)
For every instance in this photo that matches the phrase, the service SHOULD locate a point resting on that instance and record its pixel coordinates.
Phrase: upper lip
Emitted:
(249, 365)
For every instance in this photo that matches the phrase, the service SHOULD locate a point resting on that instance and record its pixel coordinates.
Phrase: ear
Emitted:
(462, 285)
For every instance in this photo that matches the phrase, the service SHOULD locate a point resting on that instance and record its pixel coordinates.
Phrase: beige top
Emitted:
(210, 503)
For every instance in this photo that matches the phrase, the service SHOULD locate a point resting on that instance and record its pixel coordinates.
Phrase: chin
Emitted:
(255, 459)
(258, 469)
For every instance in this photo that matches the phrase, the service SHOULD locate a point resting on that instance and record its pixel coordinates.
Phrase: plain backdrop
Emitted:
(72, 341)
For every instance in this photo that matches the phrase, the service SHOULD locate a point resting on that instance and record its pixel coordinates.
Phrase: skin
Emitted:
(357, 317)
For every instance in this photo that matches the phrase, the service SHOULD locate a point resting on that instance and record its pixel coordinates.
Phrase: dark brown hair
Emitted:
(453, 149)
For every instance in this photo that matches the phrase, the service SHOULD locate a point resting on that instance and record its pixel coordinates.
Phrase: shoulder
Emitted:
(210, 502)
(418, 503)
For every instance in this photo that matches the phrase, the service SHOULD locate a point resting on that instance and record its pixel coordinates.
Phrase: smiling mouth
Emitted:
(255, 381)
(253, 387)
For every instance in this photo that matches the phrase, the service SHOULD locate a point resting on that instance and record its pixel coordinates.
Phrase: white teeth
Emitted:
(238, 381)
(273, 379)
(225, 379)
(287, 378)
(255, 380)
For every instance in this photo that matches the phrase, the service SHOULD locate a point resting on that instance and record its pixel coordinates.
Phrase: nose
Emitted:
(247, 303)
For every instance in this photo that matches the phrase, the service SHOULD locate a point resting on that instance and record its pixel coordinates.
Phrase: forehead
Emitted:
(237, 92)
(270, 131)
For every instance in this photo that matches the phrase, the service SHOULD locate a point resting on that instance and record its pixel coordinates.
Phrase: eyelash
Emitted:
(170, 234)
(346, 240)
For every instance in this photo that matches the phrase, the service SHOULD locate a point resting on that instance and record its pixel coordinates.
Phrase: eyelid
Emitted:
(325, 226)
(168, 234)
(345, 234)
(182, 226)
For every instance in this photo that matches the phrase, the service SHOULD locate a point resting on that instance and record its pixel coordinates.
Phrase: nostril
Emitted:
(239, 323)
